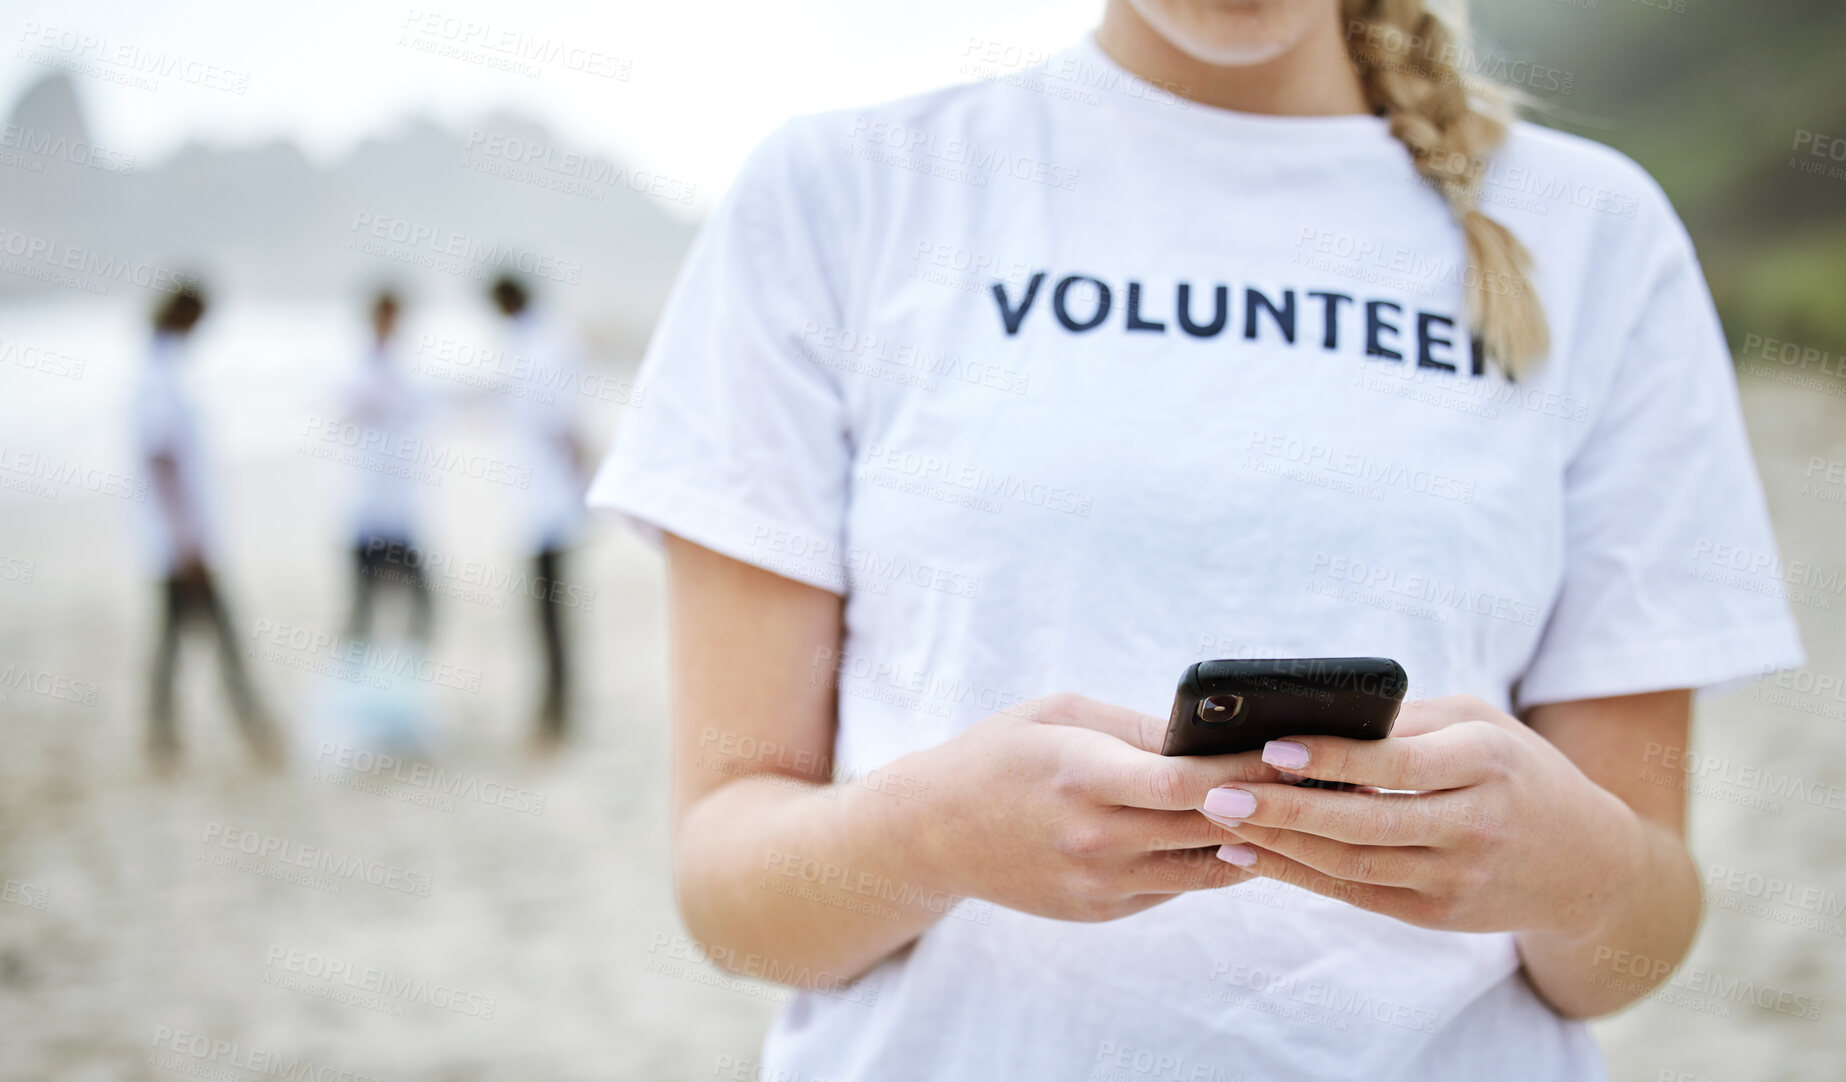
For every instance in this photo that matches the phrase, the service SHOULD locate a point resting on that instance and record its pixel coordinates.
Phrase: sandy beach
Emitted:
(512, 918)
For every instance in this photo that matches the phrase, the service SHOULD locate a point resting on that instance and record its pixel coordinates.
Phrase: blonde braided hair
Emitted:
(1409, 60)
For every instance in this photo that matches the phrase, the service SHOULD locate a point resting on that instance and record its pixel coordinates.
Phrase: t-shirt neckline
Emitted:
(1153, 104)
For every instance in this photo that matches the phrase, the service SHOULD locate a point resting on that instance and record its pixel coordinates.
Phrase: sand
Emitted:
(522, 924)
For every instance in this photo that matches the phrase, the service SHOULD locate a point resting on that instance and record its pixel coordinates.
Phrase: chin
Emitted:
(1231, 33)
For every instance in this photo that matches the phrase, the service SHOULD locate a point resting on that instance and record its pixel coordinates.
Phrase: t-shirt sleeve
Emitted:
(1671, 574)
(740, 442)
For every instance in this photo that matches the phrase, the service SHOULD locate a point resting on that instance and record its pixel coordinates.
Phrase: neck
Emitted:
(1312, 77)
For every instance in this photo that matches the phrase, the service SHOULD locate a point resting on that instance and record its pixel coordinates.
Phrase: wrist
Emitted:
(1624, 858)
(907, 822)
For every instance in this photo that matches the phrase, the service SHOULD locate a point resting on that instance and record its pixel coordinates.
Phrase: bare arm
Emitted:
(1644, 920)
(1059, 807)
(752, 754)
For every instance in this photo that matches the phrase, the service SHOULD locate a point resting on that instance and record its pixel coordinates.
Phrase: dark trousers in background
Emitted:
(391, 562)
(547, 567)
(189, 598)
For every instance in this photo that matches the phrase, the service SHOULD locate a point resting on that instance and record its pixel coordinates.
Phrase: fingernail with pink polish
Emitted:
(1230, 803)
(1222, 821)
(1241, 855)
(1285, 754)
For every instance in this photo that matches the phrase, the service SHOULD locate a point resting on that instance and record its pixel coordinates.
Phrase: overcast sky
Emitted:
(684, 89)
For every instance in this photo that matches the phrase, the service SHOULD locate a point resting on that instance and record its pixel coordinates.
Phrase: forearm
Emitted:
(804, 884)
(1639, 927)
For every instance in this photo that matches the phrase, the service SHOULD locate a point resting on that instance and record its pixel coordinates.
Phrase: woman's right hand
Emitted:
(1064, 808)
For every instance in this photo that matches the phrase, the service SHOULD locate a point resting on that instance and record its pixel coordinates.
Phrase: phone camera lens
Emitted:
(1218, 709)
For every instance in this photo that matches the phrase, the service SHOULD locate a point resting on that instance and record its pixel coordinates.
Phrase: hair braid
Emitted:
(1409, 64)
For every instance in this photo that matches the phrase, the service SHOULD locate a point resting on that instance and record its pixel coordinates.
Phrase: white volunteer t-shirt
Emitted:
(1053, 488)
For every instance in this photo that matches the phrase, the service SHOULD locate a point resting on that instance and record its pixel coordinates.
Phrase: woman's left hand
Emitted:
(1504, 832)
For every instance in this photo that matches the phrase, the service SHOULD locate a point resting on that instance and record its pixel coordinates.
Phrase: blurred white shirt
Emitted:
(394, 414)
(547, 361)
(166, 425)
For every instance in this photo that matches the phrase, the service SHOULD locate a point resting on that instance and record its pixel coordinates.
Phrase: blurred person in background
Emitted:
(393, 411)
(1190, 403)
(181, 535)
(546, 360)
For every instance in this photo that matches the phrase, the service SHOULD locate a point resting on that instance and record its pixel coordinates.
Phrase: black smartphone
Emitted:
(1224, 707)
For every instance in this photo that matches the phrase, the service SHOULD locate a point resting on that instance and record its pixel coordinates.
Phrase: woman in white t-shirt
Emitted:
(975, 417)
